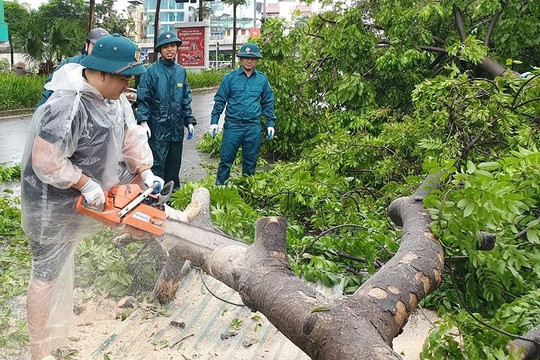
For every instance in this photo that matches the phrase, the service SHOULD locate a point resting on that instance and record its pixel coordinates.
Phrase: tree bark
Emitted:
(90, 24)
(351, 327)
(155, 57)
(531, 350)
(488, 65)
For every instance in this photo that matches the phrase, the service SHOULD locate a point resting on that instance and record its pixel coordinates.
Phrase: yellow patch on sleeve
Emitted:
(179, 84)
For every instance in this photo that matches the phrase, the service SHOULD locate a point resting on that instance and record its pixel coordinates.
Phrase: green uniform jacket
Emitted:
(164, 101)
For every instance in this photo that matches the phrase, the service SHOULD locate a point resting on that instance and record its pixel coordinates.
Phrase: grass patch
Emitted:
(205, 78)
(20, 92)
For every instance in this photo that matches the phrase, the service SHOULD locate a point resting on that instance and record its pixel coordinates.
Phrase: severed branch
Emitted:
(460, 25)
(492, 23)
(439, 40)
(523, 233)
(487, 64)
(433, 49)
(326, 20)
(530, 348)
(351, 327)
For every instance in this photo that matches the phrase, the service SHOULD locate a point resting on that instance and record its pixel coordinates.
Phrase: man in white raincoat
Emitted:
(83, 140)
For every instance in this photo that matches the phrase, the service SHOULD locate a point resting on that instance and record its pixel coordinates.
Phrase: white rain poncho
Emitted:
(76, 131)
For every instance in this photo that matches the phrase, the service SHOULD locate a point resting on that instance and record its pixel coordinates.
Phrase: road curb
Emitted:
(8, 114)
(207, 89)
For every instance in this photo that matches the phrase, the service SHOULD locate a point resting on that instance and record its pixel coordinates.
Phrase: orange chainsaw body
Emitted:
(142, 219)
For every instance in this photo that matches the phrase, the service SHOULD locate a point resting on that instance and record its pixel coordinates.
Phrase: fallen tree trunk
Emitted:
(359, 326)
(530, 349)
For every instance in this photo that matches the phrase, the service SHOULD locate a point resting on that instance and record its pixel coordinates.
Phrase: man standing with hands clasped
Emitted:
(246, 93)
(164, 108)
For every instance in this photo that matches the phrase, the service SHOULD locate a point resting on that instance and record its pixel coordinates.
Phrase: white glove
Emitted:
(190, 131)
(269, 133)
(93, 193)
(214, 130)
(146, 128)
(149, 179)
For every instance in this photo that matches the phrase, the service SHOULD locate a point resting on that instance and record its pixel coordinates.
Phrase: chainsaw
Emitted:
(141, 213)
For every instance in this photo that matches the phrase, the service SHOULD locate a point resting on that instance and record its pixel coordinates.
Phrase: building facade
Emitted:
(141, 15)
(170, 13)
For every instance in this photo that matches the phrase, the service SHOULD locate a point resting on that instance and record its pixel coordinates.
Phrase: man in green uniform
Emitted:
(246, 93)
(164, 108)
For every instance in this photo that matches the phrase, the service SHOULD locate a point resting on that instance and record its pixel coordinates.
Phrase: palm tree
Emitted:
(51, 43)
(235, 4)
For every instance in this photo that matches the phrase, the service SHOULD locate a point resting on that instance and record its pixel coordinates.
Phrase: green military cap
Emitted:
(167, 37)
(115, 54)
(250, 50)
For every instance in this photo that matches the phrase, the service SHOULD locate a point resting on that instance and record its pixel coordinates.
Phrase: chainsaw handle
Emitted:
(107, 206)
(166, 193)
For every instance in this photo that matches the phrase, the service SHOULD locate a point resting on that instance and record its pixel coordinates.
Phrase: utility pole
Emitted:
(156, 30)
(201, 10)
(254, 13)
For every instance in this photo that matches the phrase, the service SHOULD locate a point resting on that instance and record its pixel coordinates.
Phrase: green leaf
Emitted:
(489, 166)
(468, 209)
(532, 236)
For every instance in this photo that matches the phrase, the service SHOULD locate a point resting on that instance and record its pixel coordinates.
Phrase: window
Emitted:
(168, 16)
(151, 4)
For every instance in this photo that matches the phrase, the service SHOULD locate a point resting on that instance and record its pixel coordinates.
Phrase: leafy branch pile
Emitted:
(370, 99)
(14, 261)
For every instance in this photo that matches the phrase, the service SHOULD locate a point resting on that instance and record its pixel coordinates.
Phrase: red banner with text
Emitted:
(191, 52)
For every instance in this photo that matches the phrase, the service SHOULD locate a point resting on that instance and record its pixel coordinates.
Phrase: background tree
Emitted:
(51, 41)
(75, 10)
(57, 30)
(16, 16)
(107, 18)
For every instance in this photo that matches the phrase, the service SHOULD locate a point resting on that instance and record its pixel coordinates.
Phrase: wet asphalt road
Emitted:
(13, 133)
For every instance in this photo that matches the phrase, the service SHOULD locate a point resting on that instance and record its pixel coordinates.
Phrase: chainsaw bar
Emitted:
(198, 236)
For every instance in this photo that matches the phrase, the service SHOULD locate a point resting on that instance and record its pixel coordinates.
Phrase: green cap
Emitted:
(115, 54)
(249, 50)
(167, 37)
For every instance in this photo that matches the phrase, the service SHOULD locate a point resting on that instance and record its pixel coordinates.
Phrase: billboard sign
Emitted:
(192, 51)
